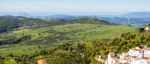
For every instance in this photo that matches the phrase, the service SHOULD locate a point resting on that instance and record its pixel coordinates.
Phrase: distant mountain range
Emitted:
(138, 14)
(66, 17)
(70, 15)
(130, 18)
(135, 17)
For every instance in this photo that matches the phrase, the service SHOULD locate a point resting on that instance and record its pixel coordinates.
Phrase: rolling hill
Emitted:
(57, 38)
(44, 36)
(12, 22)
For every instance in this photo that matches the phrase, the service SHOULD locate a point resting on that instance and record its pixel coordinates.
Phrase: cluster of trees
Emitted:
(6, 40)
(91, 20)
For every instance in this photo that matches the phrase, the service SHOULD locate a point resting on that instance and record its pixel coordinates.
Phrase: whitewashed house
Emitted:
(112, 59)
(99, 58)
(123, 58)
(138, 55)
(147, 28)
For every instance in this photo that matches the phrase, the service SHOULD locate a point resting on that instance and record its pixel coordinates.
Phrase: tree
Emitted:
(10, 61)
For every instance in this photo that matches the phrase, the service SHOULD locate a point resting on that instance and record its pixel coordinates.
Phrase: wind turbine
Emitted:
(128, 18)
(111, 19)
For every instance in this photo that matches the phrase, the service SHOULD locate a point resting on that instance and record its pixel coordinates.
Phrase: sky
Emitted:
(74, 5)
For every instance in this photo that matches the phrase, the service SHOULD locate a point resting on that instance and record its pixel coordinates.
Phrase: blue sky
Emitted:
(74, 5)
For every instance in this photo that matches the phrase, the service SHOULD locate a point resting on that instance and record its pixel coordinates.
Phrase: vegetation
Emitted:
(67, 42)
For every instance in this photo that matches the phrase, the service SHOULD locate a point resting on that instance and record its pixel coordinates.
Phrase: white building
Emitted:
(146, 28)
(123, 58)
(99, 58)
(140, 61)
(138, 55)
(138, 52)
(111, 59)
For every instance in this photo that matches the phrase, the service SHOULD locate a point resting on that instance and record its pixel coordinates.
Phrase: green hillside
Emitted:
(25, 43)
(8, 23)
(66, 33)
(72, 31)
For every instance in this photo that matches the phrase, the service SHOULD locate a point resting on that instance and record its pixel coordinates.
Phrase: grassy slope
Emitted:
(72, 31)
(94, 31)
(79, 31)
(24, 49)
(34, 32)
